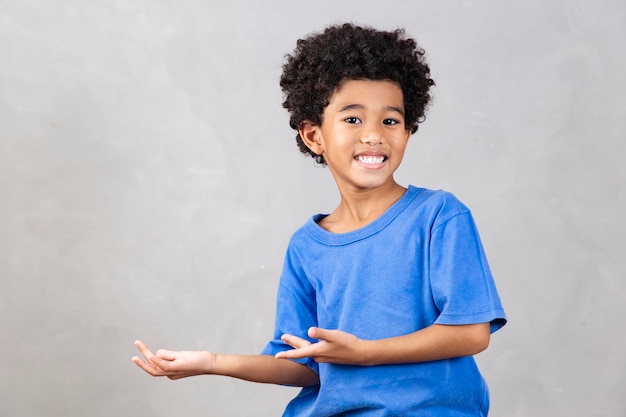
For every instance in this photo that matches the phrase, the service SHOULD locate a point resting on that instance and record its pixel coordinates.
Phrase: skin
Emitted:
(363, 123)
(256, 368)
(363, 118)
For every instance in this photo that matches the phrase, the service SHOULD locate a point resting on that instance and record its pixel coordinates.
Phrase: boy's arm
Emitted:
(431, 343)
(256, 368)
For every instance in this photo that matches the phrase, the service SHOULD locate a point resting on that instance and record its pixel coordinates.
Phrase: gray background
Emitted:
(149, 184)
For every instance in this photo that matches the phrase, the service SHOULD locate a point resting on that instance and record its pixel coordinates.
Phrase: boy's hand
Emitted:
(173, 364)
(334, 346)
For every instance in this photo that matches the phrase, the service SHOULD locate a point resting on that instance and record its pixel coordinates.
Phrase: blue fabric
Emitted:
(420, 263)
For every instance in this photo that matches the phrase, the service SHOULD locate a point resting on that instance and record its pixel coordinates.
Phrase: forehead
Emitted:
(367, 93)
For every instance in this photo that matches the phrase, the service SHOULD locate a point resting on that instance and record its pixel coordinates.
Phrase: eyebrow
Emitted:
(361, 107)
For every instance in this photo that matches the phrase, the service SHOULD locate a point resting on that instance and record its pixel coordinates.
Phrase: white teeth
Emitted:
(370, 159)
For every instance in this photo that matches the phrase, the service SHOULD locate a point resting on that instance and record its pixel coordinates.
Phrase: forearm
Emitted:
(264, 369)
(432, 343)
(256, 368)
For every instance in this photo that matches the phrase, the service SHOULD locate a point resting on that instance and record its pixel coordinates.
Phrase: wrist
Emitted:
(209, 362)
(367, 351)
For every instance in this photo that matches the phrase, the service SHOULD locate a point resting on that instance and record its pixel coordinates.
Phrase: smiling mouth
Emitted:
(370, 159)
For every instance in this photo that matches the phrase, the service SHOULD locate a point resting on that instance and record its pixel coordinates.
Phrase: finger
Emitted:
(295, 341)
(156, 370)
(147, 353)
(151, 357)
(300, 353)
(148, 367)
(321, 334)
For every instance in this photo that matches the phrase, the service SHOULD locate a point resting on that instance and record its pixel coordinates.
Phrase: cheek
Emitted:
(400, 148)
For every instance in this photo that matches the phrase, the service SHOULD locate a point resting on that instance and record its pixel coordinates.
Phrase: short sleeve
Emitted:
(295, 309)
(463, 287)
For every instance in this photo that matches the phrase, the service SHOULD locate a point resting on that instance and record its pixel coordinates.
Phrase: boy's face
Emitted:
(363, 135)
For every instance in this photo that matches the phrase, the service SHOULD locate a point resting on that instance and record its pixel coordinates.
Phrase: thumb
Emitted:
(165, 354)
(320, 334)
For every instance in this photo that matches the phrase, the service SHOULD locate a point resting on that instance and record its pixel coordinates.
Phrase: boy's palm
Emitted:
(174, 364)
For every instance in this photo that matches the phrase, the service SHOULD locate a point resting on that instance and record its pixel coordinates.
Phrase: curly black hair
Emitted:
(323, 60)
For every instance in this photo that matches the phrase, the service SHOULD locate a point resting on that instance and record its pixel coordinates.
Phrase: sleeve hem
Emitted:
(495, 317)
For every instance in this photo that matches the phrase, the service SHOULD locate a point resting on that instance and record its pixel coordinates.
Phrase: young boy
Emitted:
(383, 302)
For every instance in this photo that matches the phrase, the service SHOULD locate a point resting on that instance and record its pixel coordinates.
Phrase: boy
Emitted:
(383, 302)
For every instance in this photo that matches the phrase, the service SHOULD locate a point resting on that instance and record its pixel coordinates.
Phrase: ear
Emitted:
(311, 136)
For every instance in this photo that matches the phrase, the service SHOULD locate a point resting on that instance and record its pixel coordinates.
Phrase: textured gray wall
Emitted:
(149, 184)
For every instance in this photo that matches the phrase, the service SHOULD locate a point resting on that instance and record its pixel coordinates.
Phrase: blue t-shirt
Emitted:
(420, 263)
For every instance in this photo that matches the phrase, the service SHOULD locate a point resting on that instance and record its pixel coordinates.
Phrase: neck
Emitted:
(359, 208)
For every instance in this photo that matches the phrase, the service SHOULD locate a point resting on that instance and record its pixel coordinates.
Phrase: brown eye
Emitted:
(390, 122)
(352, 120)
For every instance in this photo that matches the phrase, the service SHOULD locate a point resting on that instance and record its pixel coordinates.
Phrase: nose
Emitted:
(373, 135)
